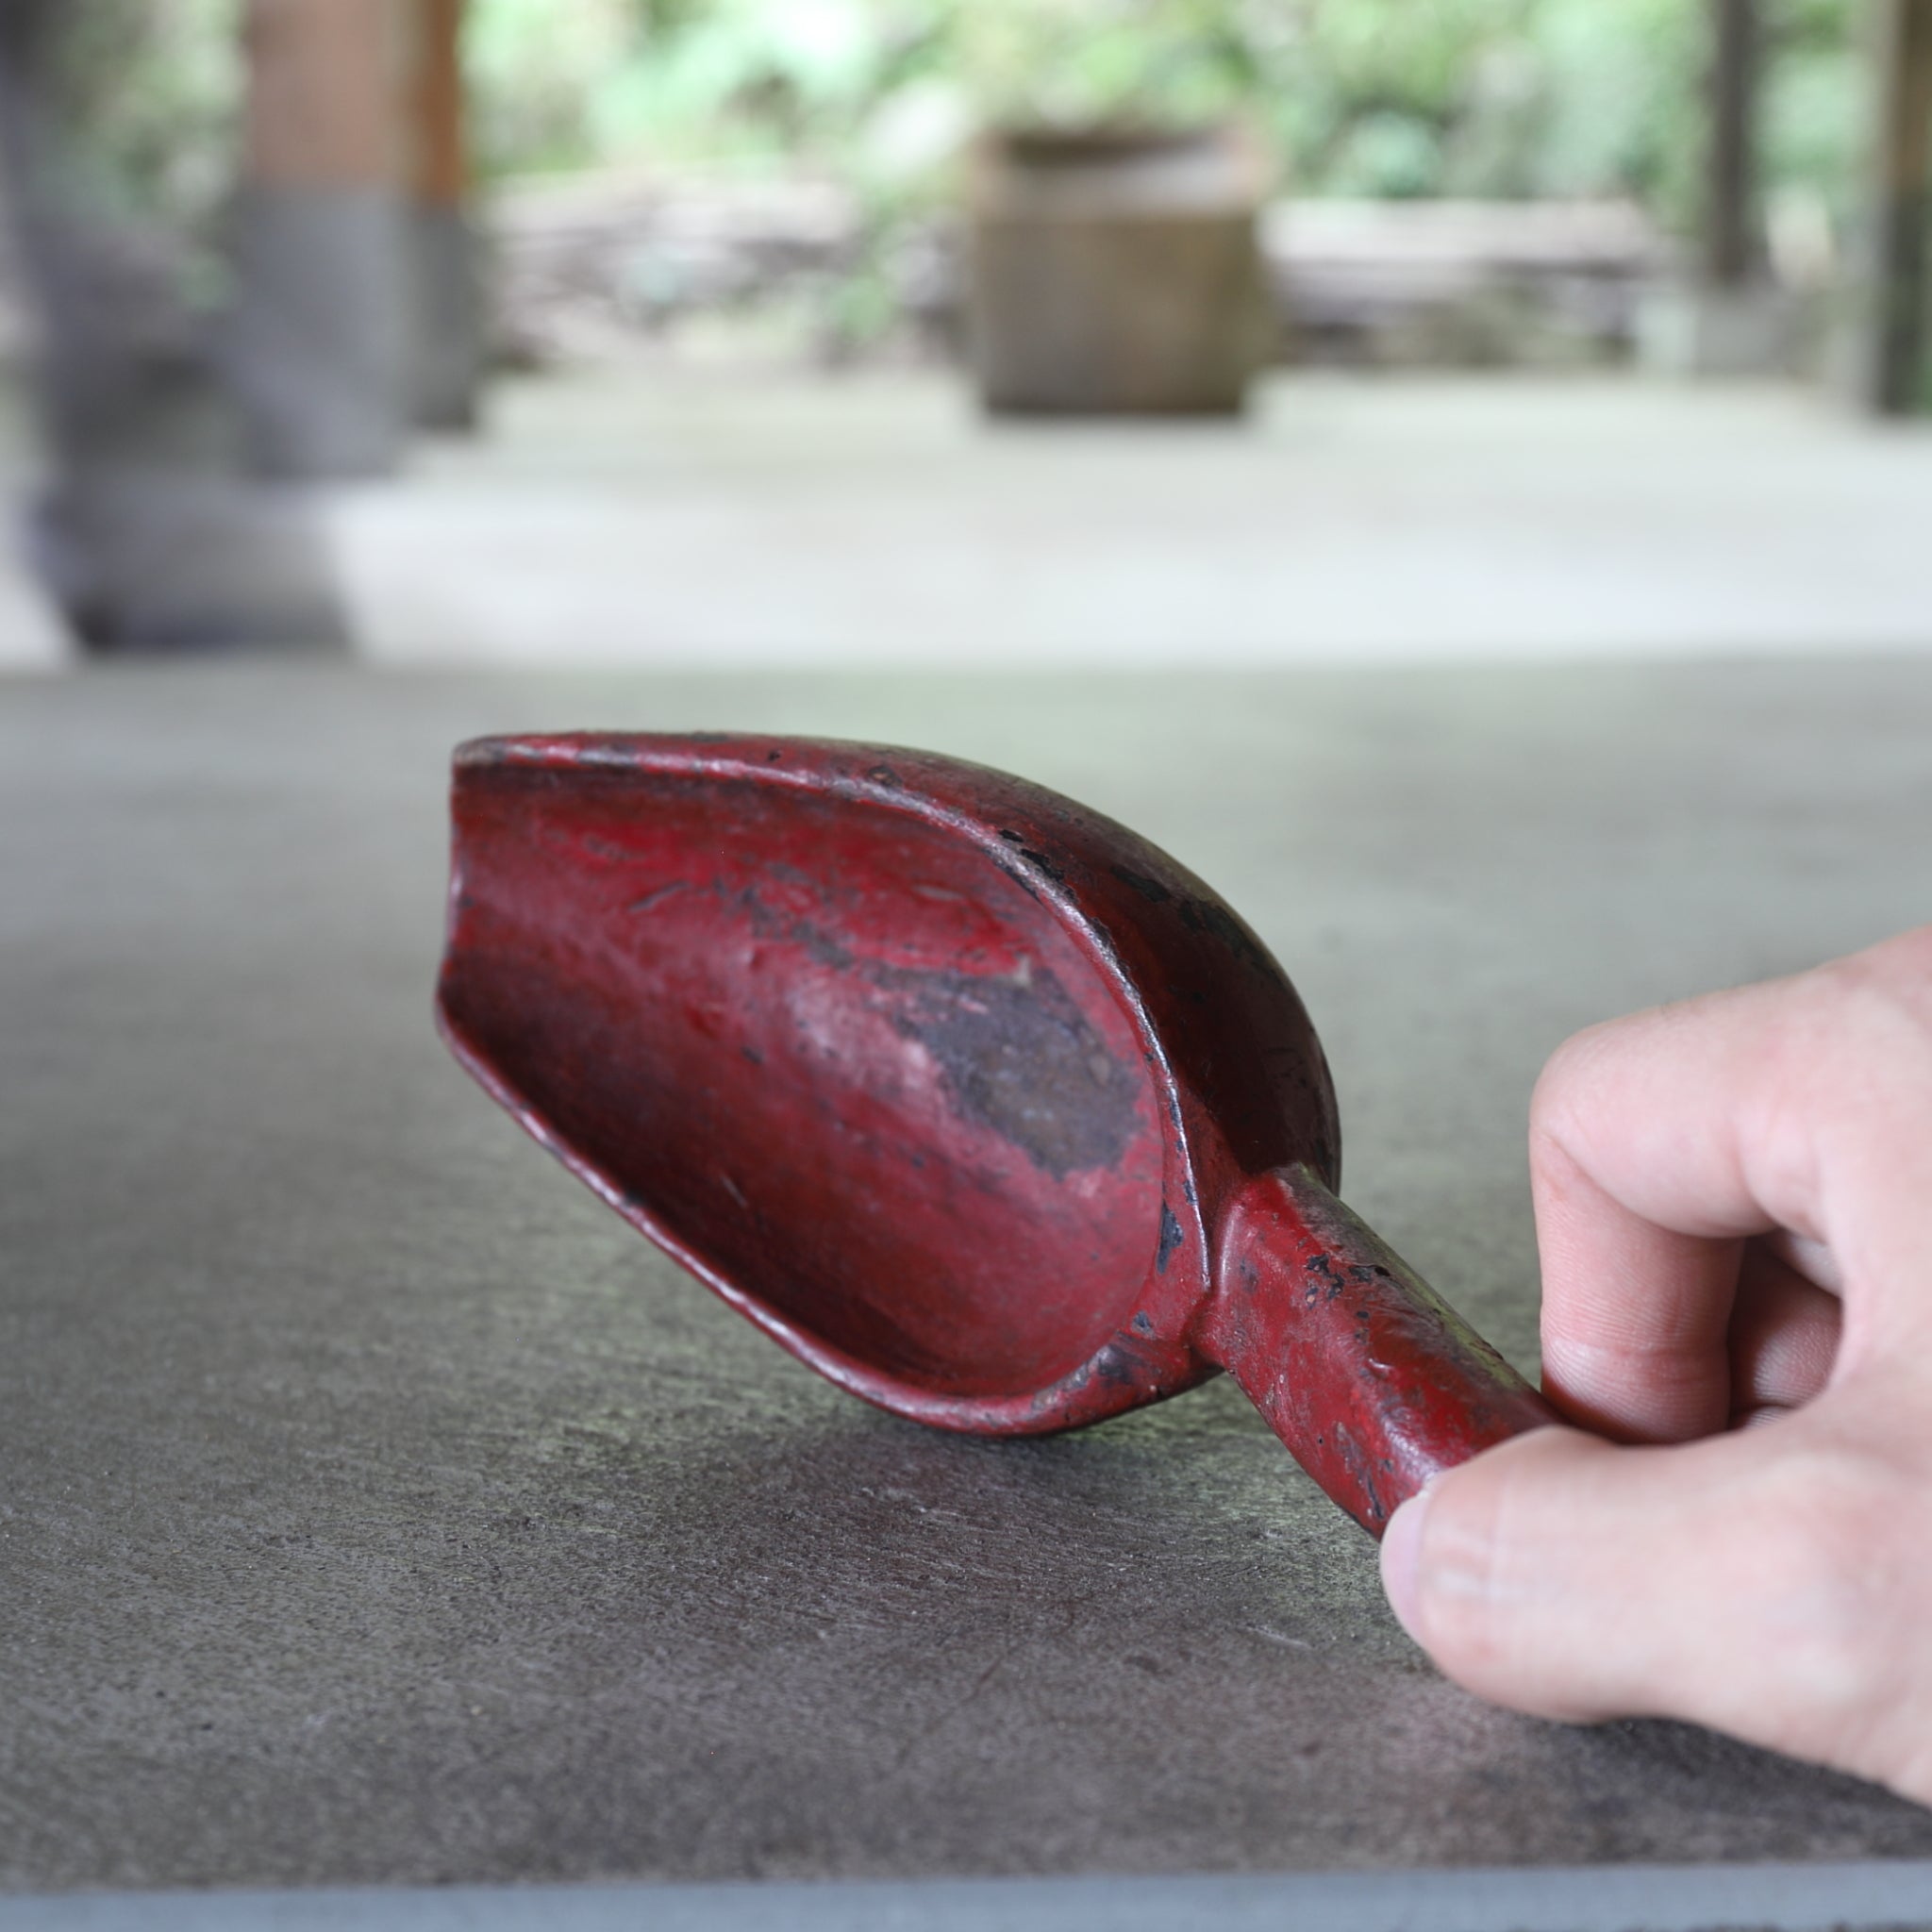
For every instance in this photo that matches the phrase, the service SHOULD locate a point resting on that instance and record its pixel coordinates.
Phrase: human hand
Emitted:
(1734, 1209)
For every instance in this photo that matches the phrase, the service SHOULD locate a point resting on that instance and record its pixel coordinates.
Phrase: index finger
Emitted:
(1658, 1144)
(1640, 1135)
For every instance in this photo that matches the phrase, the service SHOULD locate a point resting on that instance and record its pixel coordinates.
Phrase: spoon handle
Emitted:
(1374, 1382)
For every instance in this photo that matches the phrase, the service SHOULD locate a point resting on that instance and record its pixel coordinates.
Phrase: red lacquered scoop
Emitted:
(973, 1100)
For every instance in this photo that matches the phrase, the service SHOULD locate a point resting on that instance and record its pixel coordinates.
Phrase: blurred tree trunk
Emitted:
(1731, 242)
(1893, 376)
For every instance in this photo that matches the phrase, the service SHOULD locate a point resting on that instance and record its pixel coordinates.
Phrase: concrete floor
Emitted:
(31, 635)
(715, 517)
(379, 1509)
(709, 516)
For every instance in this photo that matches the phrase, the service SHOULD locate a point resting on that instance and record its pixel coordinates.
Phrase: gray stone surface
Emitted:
(1871, 1896)
(447, 345)
(376, 1508)
(696, 518)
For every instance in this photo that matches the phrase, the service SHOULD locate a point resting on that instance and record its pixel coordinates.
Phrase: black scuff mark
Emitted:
(1020, 1058)
(1330, 1282)
(1170, 1239)
(1016, 1053)
(1038, 860)
(1119, 1365)
(651, 899)
(1203, 915)
(606, 848)
(821, 946)
(1150, 890)
(1354, 1458)
(1020, 877)
(770, 922)
(1324, 1284)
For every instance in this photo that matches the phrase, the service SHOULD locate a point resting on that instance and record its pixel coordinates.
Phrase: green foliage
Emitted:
(149, 93)
(1375, 97)
(1359, 97)
(538, 71)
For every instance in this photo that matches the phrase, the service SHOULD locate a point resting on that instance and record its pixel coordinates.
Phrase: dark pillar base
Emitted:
(1891, 376)
(322, 329)
(165, 560)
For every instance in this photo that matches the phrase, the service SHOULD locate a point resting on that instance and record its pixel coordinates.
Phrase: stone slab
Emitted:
(1889, 1895)
(696, 517)
(379, 1511)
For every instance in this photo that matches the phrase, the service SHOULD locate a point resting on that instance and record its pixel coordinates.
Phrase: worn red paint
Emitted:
(973, 1100)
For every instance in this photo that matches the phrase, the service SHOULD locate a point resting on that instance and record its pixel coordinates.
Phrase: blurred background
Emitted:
(751, 332)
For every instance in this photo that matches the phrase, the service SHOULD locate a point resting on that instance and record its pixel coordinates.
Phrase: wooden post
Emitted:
(322, 321)
(319, 90)
(1731, 249)
(1893, 377)
(449, 346)
(440, 169)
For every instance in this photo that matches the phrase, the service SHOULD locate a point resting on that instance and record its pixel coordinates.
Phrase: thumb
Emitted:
(1739, 1581)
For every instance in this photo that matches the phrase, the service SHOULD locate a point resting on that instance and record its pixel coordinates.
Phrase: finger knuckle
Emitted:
(1561, 1088)
(1563, 1069)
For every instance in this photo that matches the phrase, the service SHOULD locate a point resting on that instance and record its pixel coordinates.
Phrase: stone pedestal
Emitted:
(1752, 329)
(322, 328)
